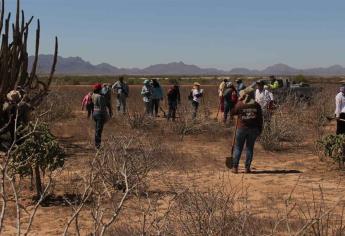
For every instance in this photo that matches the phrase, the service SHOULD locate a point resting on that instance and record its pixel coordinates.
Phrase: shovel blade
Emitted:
(228, 162)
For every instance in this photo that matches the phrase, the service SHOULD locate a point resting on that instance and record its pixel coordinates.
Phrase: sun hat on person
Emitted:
(146, 81)
(97, 86)
(238, 80)
(196, 84)
(246, 95)
(13, 96)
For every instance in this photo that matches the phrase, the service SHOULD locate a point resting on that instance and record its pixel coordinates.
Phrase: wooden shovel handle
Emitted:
(234, 136)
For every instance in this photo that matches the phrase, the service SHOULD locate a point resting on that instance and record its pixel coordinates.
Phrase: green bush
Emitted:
(37, 151)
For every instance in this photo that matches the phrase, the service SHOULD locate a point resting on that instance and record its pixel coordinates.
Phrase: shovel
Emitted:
(228, 161)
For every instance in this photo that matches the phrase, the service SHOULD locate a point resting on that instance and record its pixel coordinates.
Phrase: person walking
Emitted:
(340, 110)
(146, 93)
(100, 112)
(230, 99)
(157, 96)
(106, 92)
(240, 85)
(265, 99)
(221, 90)
(121, 89)
(87, 103)
(250, 124)
(174, 99)
(195, 96)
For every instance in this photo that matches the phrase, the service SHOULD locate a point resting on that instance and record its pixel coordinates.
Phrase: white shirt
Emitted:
(197, 94)
(339, 104)
(263, 98)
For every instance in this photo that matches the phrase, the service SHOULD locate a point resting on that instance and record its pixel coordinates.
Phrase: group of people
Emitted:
(252, 107)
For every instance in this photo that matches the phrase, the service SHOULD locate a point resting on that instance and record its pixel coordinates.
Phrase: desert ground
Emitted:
(190, 191)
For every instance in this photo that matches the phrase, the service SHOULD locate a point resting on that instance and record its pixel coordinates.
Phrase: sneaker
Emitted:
(234, 170)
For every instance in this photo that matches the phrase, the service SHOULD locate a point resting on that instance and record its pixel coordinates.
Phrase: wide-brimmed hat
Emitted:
(238, 80)
(260, 82)
(196, 84)
(228, 84)
(13, 96)
(146, 81)
(245, 95)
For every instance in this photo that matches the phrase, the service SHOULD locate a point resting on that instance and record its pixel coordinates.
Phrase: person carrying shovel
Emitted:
(249, 126)
(340, 110)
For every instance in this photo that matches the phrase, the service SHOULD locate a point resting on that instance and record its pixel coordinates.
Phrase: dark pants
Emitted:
(172, 110)
(121, 103)
(99, 120)
(341, 124)
(155, 106)
(245, 136)
(148, 108)
(195, 106)
(227, 109)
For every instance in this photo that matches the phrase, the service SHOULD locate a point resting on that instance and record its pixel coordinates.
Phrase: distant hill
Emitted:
(78, 66)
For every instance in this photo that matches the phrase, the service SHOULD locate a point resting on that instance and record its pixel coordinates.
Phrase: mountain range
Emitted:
(78, 66)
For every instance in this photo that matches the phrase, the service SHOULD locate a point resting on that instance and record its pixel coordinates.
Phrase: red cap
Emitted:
(97, 86)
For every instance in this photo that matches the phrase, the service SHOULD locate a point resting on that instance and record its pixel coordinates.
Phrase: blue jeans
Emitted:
(245, 136)
(99, 119)
(227, 109)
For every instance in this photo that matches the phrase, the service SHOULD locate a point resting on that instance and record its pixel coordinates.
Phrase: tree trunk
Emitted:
(38, 181)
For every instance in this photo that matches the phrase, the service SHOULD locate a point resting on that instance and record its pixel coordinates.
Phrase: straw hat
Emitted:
(13, 96)
(196, 84)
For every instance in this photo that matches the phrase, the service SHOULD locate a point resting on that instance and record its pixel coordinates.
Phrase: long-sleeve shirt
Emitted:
(197, 94)
(157, 92)
(121, 89)
(146, 92)
(339, 104)
(221, 89)
(99, 103)
(249, 115)
(264, 98)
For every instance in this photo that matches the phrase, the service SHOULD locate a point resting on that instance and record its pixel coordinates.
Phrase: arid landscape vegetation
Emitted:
(152, 176)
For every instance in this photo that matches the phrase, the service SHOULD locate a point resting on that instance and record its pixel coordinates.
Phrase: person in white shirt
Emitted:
(340, 110)
(264, 98)
(195, 96)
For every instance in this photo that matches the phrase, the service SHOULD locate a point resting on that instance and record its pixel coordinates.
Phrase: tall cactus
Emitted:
(14, 58)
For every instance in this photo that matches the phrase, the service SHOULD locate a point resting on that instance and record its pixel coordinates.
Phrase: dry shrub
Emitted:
(141, 121)
(285, 128)
(56, 107)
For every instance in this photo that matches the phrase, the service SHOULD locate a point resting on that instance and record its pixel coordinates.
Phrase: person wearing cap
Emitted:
(195, 96)
(100, 112)
(274, 83)
(340, 110)
(264, 98)
(121, 89)
(240, 85)
(250, 124)
(174, 99)
(146, 93)
(230, 99)
(221, 90)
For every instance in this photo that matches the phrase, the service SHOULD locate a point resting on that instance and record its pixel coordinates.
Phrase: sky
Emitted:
(209, 33)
